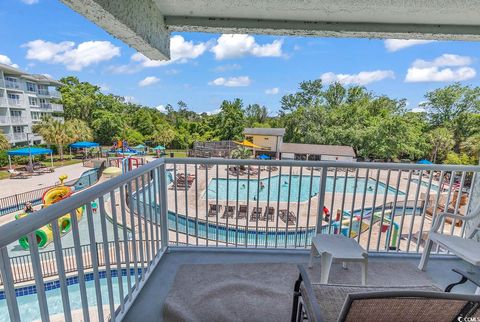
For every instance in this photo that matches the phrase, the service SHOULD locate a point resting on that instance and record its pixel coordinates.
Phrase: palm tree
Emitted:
(58, 133)
(79, 130)
(4, 145)
(241, 153)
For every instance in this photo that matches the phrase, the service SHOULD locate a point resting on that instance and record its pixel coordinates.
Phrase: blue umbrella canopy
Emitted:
(83, 145)
(29, 151)
(263, 157)
(424, 161)
(159, 147)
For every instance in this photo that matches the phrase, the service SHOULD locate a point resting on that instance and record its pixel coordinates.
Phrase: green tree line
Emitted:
(376, 126)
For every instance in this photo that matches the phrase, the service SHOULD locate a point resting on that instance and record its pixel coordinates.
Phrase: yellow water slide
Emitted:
(44, 235)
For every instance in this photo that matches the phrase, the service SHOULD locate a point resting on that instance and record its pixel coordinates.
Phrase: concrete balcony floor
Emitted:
(149, 304)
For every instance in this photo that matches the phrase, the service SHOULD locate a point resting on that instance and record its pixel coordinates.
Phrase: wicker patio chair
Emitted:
(329, 302)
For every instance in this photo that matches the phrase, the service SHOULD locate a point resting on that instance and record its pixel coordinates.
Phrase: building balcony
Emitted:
(55, 94)
(57, 107)
(3, 102)
(19, 137)
(43, 92)
(47, 106)
(13, 85)
(131, 252)
(18, 103)
(18, 120)
(4, 120)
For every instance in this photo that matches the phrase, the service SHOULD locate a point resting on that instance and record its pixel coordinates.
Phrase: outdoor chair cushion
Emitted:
(331, 297)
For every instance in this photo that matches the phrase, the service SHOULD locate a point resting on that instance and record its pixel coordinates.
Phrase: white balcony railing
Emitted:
(19, 136)
(4, 120)
(3, 102)
(15, 102)
(43, 92)
(168, 203)
(55, 94)
(45, 106)
(12, 84)
(16, 120)
(57, 107)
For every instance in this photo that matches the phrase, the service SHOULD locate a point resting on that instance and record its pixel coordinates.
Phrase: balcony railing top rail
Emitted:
(327, 164)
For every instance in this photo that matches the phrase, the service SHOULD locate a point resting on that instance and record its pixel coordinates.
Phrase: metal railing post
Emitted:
(321, 198)
(163, 206)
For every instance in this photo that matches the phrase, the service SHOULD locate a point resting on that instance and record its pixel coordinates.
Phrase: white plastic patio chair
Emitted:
(467, 248)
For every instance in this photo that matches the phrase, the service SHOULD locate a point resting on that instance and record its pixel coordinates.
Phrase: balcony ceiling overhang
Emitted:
(146, 24)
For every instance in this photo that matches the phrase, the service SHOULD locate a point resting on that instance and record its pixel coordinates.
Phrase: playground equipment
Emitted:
(44, 235)
(122, 147)
(127, 163)
(112, 172)
(358, 226)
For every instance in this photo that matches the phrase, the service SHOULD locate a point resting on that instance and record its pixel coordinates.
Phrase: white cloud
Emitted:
(213, 112)
(7, 61)
(74, 58)
(172, 71)
(104, 87)
(235, 46)
(445, 68)
(149, 80)
(181, 51)
(362, 78)
(129, 99)
(272, 91)
(30, 1)
(226, 68)
(393, 45)
(231, 81)
(418, 109)
(161, 108)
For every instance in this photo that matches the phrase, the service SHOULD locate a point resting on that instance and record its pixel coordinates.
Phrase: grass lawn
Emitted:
(4, 175)
(58, 163)
(176, 153)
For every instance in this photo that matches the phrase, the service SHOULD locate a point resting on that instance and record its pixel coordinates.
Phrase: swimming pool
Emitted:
(281, 185)
(425, 183)
(28, 301)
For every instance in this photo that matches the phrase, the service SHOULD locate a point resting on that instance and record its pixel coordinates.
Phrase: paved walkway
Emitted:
(10, 187)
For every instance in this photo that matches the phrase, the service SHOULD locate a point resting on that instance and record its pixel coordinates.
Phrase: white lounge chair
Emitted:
(467, 248)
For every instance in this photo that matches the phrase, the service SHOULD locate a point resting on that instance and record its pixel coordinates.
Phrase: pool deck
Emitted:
(193, 204)
(16, 186)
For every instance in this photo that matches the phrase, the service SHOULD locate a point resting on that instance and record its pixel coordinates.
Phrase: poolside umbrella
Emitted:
(263, 157)
(83, 145)
(249, 144)
(29, 152)
(158, 148)
(424, 161)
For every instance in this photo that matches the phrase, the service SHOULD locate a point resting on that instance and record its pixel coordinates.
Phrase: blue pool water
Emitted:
(240, 234)
(424, 183)
(280, 186)
(30, 311)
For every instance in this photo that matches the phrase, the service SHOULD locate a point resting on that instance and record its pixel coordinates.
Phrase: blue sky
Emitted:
(46, 37)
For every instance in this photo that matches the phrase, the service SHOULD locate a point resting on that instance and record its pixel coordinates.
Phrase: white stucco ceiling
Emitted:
(146, 24)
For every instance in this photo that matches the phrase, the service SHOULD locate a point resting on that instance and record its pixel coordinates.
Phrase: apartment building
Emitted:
(24, 100)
